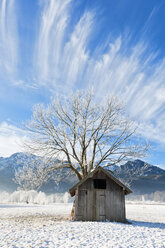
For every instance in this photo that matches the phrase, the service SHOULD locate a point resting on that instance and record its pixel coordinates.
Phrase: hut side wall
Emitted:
(115, 202)
(86, 197)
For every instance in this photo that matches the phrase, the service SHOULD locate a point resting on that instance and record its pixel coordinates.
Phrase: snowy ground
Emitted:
(49, 226)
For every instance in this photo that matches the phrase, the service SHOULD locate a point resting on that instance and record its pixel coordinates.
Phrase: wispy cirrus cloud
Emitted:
(8, 38)
(76, 56)
(62, 55)
(131, 71)
(51, 38)
(63, 61)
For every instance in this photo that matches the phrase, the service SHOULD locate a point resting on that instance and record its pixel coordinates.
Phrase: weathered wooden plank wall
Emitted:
(100, 204)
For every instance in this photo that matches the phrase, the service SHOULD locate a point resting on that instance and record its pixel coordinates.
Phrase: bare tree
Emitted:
(32, 174)
(83, 134)
(36, 171)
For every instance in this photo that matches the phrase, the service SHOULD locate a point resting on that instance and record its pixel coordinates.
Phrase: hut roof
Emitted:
(108, 173)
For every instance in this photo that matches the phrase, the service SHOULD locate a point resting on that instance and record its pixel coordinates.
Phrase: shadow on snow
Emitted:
(148, 224)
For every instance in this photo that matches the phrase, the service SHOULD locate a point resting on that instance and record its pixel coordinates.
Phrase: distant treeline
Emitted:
(34, 197)
(158, 196)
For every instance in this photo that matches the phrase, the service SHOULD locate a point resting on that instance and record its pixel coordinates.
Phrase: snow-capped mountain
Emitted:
(141, 176)
(138, 168)
(14, 161)
(8, 167)
(110, 167)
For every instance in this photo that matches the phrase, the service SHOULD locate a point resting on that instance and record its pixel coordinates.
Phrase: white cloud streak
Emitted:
(8, 37)
(51, 37)
(11, 139)
(75, 57)
(127, 71)
(63, 62)
(62, 56)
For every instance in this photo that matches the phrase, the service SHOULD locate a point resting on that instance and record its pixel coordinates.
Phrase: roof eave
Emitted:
(125, 188)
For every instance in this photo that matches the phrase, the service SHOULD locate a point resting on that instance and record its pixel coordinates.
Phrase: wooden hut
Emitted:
(99, 197)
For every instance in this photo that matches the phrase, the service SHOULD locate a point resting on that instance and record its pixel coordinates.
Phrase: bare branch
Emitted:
(83, 133)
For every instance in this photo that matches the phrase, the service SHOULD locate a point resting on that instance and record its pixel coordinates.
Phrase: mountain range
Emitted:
(140, 176)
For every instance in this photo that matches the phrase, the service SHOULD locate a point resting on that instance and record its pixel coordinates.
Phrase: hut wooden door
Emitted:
(82, 204)
(100, 205)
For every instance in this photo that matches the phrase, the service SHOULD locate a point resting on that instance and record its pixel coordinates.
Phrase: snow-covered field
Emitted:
(49, 226)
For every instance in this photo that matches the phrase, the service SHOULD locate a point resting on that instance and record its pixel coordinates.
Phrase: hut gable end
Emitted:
(102, 173)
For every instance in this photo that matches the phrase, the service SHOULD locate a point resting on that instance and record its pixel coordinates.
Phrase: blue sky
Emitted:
(50, 47)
